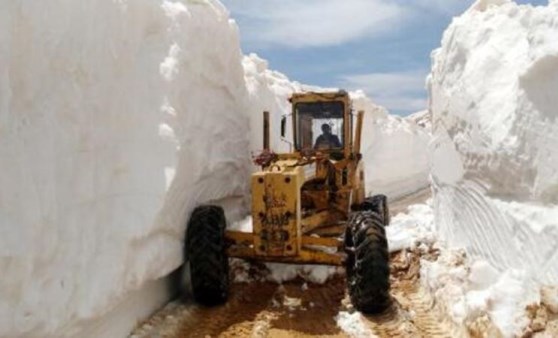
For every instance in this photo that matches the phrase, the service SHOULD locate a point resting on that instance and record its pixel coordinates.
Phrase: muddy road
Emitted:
(301, 309)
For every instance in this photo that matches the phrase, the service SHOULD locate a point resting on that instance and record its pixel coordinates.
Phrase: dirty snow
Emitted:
(353, 325)
(116, 119)
(395, 151)
(495, 155)
(466, 290)
(549, 297)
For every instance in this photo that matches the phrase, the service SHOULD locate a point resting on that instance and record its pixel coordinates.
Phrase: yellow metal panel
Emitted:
(276, 211)
(304, 256)
(240, 238)
(314, 221)
(322, 241)
(276, 198)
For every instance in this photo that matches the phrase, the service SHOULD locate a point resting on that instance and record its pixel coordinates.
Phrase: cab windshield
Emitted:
(319, 125)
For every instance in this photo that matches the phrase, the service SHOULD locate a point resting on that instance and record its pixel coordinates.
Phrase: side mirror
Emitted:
(283, 126)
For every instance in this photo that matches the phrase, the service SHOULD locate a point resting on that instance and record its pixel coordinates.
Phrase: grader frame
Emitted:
(302, 200)
(308, 207)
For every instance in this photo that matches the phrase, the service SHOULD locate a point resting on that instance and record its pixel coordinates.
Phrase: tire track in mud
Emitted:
(264, 309)
(414, 317)
(298, 309)
(411, 313)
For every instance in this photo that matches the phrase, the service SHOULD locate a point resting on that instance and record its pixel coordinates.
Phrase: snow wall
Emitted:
(395, 150)
(495, 152)
(117, 118)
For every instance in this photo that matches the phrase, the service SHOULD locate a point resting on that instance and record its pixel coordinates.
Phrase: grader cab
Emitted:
(309, 206)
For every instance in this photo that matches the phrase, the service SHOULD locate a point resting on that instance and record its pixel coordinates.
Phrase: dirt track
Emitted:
(297, 309)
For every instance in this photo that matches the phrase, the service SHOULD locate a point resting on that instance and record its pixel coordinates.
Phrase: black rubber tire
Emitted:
(378, 204)
(367, 263)
(206, 253)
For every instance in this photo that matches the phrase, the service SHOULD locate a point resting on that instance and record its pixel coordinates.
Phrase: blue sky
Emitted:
(380, 46)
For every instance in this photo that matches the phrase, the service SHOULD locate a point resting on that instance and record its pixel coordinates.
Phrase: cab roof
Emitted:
(340, 95)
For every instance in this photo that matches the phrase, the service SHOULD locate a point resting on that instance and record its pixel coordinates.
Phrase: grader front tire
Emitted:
(205, 252)
(367, 263)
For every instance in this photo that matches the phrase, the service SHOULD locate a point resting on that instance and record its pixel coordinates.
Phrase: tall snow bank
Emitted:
(423, 118)
(116, 119)
(495, 152)
(395, 150)
(268, 91)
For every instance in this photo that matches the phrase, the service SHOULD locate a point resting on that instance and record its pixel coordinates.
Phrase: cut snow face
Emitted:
(116, 119)
(395, 151)
(412, 229)
(352, 324)
(495, 155)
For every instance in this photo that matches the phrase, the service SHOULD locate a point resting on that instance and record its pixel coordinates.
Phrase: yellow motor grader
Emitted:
(309, 206)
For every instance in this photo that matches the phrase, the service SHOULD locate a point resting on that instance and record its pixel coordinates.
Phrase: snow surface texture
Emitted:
(112, 127)
(395, 151)
(412, 229)
(495, 151)
(466, 291)
(352, 325)
(269, 91)
(422, 118)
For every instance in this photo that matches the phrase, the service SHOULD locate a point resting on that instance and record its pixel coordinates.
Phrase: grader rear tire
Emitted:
(378, 204)
(205, 251)
(367, 263)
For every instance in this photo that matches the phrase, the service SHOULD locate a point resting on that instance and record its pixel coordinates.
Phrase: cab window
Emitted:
(319, 125)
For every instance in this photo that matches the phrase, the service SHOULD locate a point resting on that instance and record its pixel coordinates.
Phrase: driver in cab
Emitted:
(327, 140)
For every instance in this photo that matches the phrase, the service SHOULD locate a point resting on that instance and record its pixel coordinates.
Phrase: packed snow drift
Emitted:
(395, 150)
(495, 152)
(495, 162)
(116, 119)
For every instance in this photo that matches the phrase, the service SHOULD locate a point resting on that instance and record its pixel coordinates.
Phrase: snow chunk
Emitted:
(244, 225)
(318, 274)
(352, 324)
(408, 230)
